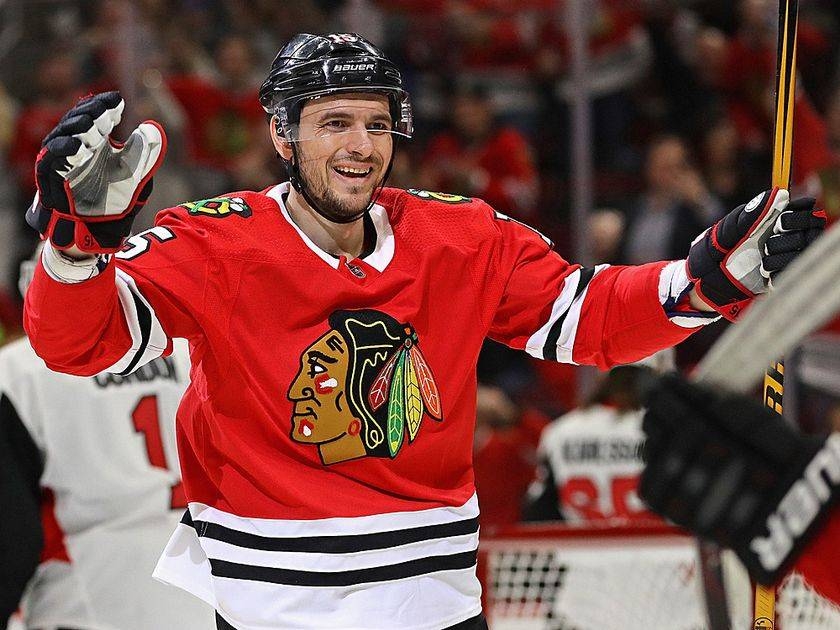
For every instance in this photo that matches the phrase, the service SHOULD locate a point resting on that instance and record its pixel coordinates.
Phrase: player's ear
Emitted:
(282, 147)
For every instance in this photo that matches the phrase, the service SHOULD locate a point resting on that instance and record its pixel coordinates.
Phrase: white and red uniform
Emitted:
(111, 492)
(592, 459)
(274, 537)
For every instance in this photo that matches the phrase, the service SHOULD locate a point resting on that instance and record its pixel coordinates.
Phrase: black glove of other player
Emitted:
(728, 469)
(736, 258)
(89, 186)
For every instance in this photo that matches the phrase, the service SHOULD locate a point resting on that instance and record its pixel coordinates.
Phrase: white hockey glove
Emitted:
(90, 187)
(736, 258)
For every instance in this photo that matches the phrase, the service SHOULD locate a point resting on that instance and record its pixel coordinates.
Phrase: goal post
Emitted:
(644, 576)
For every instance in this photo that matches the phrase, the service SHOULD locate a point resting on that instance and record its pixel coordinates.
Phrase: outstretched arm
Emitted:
(608, 315)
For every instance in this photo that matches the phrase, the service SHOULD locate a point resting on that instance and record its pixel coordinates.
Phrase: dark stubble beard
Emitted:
(329, 204)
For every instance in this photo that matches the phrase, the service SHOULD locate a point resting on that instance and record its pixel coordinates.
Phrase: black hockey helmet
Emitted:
(312, 66)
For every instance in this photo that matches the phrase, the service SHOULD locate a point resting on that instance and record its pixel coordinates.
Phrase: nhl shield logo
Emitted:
(362, 388)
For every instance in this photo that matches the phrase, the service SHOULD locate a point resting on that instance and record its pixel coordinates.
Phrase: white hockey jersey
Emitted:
(594, 456)
(112, 492)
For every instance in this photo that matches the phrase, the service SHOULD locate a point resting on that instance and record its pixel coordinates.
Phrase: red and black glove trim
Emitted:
(90, 187)
(748, 246)
(103, 236)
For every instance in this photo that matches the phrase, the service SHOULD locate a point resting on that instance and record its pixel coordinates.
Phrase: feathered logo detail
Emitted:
(362, 387)
(407, 384)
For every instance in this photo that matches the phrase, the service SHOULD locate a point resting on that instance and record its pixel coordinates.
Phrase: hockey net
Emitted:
(643, 577)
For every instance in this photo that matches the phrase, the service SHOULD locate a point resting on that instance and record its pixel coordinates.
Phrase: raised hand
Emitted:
(90, 187)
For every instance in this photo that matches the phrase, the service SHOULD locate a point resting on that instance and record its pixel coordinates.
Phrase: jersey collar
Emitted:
(381, 255)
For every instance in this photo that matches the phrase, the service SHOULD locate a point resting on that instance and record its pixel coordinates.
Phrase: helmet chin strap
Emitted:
(297, 183)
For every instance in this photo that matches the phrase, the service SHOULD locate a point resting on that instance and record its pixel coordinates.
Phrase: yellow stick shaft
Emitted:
(774, 384)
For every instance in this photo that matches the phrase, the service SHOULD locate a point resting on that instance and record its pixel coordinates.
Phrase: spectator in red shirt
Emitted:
(225, 123)
(57, 79)
(504, 455)
(750, 66)
(478, 157)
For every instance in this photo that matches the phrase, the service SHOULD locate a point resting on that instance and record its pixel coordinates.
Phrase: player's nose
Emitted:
(359, 141)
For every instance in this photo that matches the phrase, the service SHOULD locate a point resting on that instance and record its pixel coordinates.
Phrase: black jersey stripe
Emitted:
(144, 320)
(186, 519)
(294, 577)
(550, 346)
(334, 544)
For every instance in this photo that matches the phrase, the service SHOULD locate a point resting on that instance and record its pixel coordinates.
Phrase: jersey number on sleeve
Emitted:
(147, 421)
(139, 243)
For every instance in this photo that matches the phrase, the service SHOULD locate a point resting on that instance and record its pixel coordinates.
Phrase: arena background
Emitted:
(576, 117)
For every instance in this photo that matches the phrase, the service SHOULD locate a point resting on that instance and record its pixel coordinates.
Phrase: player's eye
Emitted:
(378, 127)
(334, 125)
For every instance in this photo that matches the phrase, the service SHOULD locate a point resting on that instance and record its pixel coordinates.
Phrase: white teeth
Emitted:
(352, 171)
(307, 431)
(331, 382)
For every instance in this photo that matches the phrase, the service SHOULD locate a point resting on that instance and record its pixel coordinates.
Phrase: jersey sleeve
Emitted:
(820, 559)
(603, 315)
(151, 292)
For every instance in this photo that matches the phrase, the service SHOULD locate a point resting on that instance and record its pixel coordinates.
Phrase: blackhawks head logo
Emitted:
(219, 207)
(362, 388)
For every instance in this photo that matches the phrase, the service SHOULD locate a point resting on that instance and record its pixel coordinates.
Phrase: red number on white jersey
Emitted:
(582, 496)
(147, 421)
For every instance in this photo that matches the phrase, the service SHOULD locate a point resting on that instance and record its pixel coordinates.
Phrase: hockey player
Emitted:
(334, 325)
(591, 458)
(732, 471)
(90, 465)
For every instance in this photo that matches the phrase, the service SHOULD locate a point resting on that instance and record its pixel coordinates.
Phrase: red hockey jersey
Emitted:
(820, 559)
(325, 439)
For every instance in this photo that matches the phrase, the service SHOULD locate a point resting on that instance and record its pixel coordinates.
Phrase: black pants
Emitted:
(476, 623)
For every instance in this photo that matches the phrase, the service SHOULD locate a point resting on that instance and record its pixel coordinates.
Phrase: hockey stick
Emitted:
(774, 378)
(805, 297)
(765, 597)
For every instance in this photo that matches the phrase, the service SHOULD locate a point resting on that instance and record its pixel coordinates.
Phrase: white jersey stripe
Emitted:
(332, 562)
(148, 340)
(337, 526)
(673, 284)
(354, 577)
(337, 570)
(565, 313)
(536, 342)
(439, 597)
(566, 341)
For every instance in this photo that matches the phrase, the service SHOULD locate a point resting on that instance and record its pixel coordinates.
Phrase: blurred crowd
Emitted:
(682, 106)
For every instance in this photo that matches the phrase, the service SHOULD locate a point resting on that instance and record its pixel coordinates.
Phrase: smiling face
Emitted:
(343, 148)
